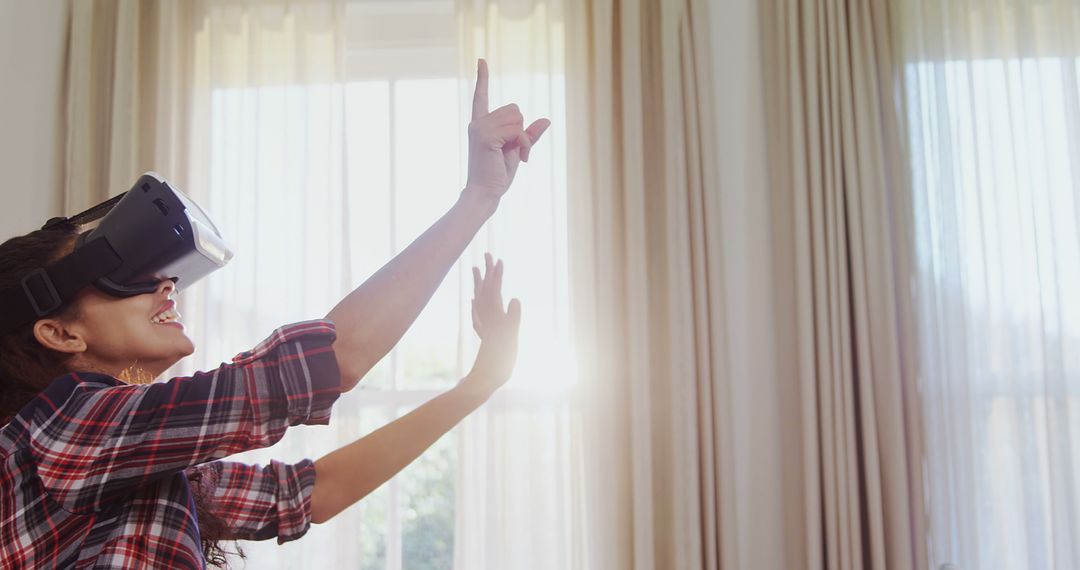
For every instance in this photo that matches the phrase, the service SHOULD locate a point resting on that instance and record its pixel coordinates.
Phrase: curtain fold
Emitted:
(129, 71)
(842, 229)
(647, 285)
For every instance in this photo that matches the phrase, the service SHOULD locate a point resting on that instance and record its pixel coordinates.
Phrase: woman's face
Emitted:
(138, 336)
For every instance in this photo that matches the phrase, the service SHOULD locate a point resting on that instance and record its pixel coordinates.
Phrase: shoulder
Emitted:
(63, 388)
(51, 401)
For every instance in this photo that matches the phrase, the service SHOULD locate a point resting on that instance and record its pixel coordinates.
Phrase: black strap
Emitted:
(44, 290)
(93, 214)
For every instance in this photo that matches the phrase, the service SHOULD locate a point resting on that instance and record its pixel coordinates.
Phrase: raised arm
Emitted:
(373, 318)
(348, 474)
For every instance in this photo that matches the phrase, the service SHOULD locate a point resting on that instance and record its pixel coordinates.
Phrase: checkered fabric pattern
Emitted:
(95, 471)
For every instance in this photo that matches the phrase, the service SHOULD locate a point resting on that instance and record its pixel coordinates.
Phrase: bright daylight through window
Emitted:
(293, 198)
(997, 211)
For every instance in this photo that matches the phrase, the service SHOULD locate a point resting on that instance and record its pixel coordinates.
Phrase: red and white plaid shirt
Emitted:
(94, 471)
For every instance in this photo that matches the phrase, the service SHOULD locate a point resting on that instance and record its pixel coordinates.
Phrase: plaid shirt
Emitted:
(94, 471)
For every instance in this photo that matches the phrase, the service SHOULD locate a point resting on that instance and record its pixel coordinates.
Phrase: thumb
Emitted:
(537, 129)
(514, 313)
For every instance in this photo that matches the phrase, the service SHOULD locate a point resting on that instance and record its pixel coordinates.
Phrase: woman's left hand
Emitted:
(498, 141)
(497, 327)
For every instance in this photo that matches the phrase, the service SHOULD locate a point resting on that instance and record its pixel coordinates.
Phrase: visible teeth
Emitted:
(165, 316)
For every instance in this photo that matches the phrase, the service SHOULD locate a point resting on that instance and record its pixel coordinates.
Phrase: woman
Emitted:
(101, 469)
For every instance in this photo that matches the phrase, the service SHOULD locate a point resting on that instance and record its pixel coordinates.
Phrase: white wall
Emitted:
(32, 53)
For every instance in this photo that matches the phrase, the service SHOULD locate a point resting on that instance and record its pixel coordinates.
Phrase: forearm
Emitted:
(348, 474)
(372, 318)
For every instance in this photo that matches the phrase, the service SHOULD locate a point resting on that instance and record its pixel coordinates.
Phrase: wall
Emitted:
(32, 53)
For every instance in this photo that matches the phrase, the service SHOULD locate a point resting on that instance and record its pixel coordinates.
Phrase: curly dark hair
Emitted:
(27, 367)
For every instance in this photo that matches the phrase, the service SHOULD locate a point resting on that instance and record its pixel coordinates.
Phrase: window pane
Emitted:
(997, 224)
(368, 231)
(427, 514)
(428, 179)
(536, 269)
(366, 520)
(273, 190)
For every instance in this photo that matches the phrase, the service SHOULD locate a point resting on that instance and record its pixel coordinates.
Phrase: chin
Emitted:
(187, 349)
(176, 356)
(178, 349)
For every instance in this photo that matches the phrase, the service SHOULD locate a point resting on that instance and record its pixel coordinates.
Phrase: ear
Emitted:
(58, 336)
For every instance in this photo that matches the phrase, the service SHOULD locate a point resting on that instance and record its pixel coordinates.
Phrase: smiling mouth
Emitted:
(166, 317)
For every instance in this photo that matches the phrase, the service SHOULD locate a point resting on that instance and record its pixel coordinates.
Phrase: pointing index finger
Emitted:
(480, 95)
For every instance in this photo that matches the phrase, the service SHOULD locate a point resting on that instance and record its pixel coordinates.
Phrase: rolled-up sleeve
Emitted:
(297, 366)
(256, 502)
(94, 438)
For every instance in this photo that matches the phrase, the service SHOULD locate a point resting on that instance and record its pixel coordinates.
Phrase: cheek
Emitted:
(146, 341)
(119, 329)
(125, 336)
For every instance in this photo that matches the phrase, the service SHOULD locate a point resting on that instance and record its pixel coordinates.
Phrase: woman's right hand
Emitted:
(497, 328)
(498, 142)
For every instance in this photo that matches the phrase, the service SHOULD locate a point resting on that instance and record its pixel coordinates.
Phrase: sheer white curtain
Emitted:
(327, 135)
(994, 128)
(268, 161)
(516, 492)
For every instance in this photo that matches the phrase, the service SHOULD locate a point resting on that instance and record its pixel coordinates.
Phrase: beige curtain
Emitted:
(129, 68)
(853, 459)
(647, 288)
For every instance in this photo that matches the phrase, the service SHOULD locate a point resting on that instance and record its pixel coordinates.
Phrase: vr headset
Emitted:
(148, 234)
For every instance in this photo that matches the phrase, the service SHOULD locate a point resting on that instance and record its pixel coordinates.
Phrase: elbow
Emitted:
(351, 376)
(318, 517)
(353, 364)
(349, 380)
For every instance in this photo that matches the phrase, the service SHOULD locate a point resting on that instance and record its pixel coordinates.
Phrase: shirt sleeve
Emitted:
(94, 441)
(255, 502)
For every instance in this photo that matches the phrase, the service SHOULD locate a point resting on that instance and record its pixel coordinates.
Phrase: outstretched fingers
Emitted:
(487, 290)
(487, 305)
(480, 94)
(508, 122)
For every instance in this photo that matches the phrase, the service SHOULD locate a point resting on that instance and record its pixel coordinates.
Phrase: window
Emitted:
(318, 185)
(994, 147)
